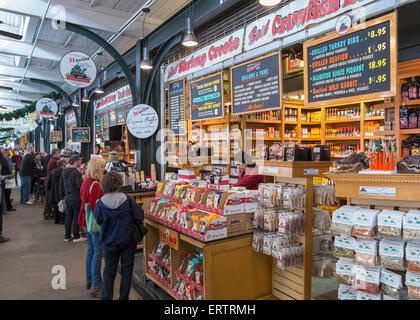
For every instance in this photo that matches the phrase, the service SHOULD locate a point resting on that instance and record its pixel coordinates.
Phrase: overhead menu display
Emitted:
(81, 134)
(256, 85)
(360, 64)
(112, 117)
(98, 124)
(177, 106)
(207, 98)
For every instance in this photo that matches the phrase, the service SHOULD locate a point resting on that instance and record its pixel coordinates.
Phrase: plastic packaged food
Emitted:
(366, 252)
(322, 220)
(367, 296)
(259, 218)
(367, 279)
(258, 241)
(344, 246)
(270, 219)
(391, 284)
(345, 272)
(346, 293)
(268, 243)
(411, 225)
(390, 224)
(364, 223)
(392, 254)
(412, 281)
(412, 254)
(322, 269)
(268, 194)
(342, 220)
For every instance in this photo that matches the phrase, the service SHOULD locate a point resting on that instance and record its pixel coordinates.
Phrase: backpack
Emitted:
(91, 225)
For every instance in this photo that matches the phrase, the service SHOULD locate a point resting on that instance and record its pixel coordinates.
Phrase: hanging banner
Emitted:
(223, 49)
(295, 17)
(142, 121)
(207, 98)
(256, 85)
(46, 108)
(114, 99)
(78, 69)
(359, 65)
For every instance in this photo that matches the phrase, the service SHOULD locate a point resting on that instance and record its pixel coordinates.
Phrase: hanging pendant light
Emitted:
(75, 102)
(146, 64)
(189, 39)
(269, 3)
(99, 89)
(85, 97)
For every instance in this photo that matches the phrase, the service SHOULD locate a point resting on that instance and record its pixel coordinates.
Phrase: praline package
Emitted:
(364, 223)
(411, 225)
(346, 293)
(412, 281)
(390, 224)
(364, 296)
(345, 272)
(412, 254)
(342, 220)
(391, 284)
(366, 252)
(344, 246)
(368, 279)
(392, 254)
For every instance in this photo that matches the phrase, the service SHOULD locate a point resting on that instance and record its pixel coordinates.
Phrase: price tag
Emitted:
(310, 172)
(271, 170)
(168, 236)
(377, 191)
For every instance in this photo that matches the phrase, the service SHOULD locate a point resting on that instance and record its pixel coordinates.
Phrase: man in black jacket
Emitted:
(70, 183)
(27, 171)
(53, 187)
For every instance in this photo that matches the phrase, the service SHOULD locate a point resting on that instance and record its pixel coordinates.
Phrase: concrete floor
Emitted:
(35, 246)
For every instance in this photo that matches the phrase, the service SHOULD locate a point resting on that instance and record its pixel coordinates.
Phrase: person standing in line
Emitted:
(7, 190)
(53, 187)
(3, 163)
(17, 160)
(119, 216)
(70, 183)
(39, 172)
(27, 170)
(90, 193)
(52, 164)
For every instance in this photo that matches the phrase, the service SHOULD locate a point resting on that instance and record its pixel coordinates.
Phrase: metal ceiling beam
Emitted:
(26, 86)
(33, 72)
(11, 103)
(21, 96)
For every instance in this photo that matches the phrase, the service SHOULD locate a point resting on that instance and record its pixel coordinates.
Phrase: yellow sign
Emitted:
(168, 236)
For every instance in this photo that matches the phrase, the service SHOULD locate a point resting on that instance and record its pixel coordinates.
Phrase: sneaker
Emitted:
(68, 239)
(29, 202)
(81, 239)
(3, 239)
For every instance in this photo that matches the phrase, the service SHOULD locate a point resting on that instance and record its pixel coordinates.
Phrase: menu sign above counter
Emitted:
(360, 65)
(177, 106)
(56, 136)
(256, 85)
(98, 124)
(81, 134)
(207, 98)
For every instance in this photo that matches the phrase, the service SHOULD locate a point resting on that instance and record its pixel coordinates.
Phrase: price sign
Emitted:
(105, 120)
(207, 98)
(360, 65)
(256, 85)
(98, 124)
(56, 136)
(81, 134)
(121, 115)
(168, 236)
(112, 117)
(177, 106)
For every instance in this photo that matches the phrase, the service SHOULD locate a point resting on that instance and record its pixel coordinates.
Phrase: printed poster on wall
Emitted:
(46, 108)
(105, 119)
(207, 98)
(121, 115)
(142, 121)
(112, 118)
(78, 69)
(177, 106)
(256, 85)
(98, 124)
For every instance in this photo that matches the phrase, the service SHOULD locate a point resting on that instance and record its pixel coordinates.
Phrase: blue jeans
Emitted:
(93, 260)
(25, 188)
(72, 217)
(112, 257)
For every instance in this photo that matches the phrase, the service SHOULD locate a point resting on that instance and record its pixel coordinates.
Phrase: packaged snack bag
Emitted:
(344, 246)
(368, 279)
(345, 272)
(412, 281)
(411, 225)
(390, 224)
(391, 284)
(366, 252)
(412, 254)
(365, 222)
(392, 254)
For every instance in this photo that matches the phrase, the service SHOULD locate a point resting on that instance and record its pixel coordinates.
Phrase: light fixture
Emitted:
(189, 39)
(60, 112)
(75, 102)
(99, 89)
(269, 3)
(146, 64)
(85, 98)
(50, 119)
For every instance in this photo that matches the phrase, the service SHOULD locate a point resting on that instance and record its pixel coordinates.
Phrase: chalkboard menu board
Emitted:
(105, 120)
(80, 134)
(121, 115)
(112, 117)
(207, 98)
(177, 106)
(56, 136)
(358, 65)
(256, 85)
(98, 124)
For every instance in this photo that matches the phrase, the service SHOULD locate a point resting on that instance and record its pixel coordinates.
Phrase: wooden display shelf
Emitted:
(385, 133)
(378, 118)
(342, 121)
(387, 105)
(291, 122)
(400, 186)
(310, 139)
(263, 121)
(415, 102)
(410, 131)
(293, 169)
(310, 123)
(263, 138)
(226, 276)
(342, 138)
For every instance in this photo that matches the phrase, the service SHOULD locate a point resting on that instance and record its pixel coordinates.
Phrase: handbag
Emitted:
(141, 229)
(91, 225)
(10, 183)
(62, 206)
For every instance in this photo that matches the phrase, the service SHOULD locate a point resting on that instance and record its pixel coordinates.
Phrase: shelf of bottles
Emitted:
(340, 114)
(342, 149)
(266, 116)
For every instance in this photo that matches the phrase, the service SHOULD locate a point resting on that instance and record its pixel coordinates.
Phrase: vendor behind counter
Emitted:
(248, 172)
